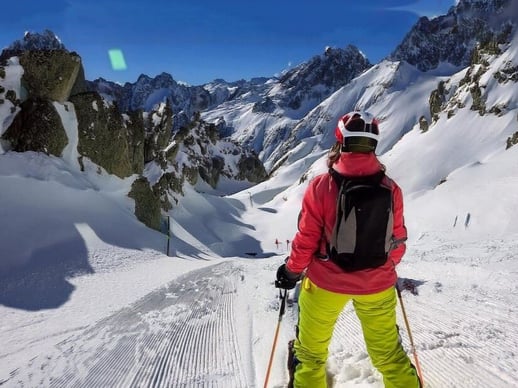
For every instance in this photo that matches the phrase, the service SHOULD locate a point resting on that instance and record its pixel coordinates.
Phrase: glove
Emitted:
(286, 279)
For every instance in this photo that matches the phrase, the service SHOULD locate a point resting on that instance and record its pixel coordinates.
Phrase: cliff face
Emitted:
(452, 37)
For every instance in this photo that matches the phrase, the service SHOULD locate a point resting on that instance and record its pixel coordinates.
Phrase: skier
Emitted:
(468, 217)
(326, 288)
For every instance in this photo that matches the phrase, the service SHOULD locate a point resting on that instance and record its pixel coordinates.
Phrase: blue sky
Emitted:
(197, 41)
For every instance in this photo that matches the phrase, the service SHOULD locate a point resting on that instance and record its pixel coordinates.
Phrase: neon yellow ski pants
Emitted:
(318, 312)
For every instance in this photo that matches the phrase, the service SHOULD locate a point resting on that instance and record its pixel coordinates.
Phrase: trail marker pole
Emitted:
(168, 233)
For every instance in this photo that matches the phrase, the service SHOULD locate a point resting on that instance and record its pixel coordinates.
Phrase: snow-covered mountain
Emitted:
(265, 120)
(273, 115)
(147, 92)
(258, 113)
(434, 49)
(451, 38)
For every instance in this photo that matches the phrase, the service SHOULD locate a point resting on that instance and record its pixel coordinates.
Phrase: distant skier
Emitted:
(327, 287)
(277, 243)
(468, 217)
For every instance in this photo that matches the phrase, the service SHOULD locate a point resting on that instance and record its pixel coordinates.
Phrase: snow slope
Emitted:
(119, 312)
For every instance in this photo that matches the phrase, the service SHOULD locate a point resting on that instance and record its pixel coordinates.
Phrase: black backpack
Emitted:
(362, 234)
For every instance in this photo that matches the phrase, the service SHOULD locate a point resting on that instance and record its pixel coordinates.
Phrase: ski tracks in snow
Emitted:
(466, 343)
(461, 319)
(202, 331)
(182, 335)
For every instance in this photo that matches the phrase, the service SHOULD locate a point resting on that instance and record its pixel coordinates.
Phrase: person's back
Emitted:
(327, 287)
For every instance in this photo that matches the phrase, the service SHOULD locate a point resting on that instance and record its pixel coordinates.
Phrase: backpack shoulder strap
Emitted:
(337, 177)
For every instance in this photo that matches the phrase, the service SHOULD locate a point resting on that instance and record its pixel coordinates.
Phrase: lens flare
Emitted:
(117, 59)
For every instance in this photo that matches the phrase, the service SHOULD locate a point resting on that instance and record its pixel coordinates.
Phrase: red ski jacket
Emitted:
(316, 222)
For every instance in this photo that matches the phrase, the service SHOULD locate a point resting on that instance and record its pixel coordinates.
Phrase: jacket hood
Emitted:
(357, 164)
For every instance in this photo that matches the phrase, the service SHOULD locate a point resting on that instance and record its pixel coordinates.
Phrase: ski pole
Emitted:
(412, 347)
(281, 313)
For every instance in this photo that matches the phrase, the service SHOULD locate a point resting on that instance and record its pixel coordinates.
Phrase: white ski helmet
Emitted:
(357, 132)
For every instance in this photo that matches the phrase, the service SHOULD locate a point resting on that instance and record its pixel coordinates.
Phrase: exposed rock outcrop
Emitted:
(147, 203)
(103, 136)
(37, 127)
(50, 74)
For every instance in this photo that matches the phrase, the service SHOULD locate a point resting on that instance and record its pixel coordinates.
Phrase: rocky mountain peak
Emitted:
(480, 6)
(46, 40)
(335, 65)
(452, 37)
(323, 74)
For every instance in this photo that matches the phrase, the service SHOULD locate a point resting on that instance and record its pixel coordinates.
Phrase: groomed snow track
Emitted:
(443, 343)
(201, 330)
(183, 335)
